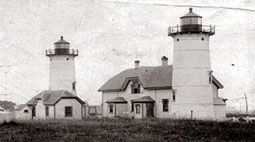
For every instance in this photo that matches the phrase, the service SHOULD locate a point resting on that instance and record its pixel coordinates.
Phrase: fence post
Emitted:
(191, 114)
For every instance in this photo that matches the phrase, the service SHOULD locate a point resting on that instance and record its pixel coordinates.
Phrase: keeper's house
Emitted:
(59, 104)
(186, 89)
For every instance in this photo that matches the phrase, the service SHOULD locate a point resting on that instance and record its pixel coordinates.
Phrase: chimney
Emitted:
(137, 64)
(164, 60)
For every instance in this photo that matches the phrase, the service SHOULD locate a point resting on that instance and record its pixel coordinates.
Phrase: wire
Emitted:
(11, 91)
(180, 5)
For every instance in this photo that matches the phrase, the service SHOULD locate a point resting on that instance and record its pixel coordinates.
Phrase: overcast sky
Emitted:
(110, 35)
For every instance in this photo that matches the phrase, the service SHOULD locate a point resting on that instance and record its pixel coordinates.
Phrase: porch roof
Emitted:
(144, 99)
(117, 100)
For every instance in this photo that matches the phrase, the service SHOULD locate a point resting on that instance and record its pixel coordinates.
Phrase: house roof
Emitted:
(158, 77)
(52, 97)
(2, 109)
(7, 105)
(144, 99)
(20, 107)
(217, 83)
(117, 100)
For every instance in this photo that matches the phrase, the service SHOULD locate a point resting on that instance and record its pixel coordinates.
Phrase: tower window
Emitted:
(165, 105)
(210, 79)
(110, 108)
(74, 86)
(47, 111)
(25, 111)
(67, 58)
(202, 38)
(177, 39)
(68, 111)
(173, 95)
(135, 88)
(210, 76)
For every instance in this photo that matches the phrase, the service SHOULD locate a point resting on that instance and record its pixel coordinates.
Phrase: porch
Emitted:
(143, 107)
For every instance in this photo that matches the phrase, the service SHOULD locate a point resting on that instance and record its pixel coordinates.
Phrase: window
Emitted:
(135, 88)
(210, 76)
(47, 111)
(210, 79)
(137, 108)
(68, 111)
(173, 95)
(165, 105)
(33, 112)
(111, 108)
(25, 111)
(74, 86)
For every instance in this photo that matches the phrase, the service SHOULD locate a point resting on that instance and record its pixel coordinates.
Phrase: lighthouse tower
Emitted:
(62, 66)
(192, 75)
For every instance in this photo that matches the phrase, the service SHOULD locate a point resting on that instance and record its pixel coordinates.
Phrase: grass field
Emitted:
(126, 130)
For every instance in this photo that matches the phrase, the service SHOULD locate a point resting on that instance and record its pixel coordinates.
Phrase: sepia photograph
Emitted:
(127, 70)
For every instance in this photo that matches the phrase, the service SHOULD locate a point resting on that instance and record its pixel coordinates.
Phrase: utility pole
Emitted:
(245, 97)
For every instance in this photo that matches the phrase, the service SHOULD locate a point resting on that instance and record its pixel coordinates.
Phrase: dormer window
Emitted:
(135, 87)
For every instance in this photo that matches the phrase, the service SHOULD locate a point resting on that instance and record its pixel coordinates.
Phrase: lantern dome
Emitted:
(62, 41)
(191, 14)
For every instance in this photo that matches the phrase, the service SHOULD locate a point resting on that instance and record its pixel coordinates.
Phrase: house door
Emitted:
(33, 112)
(149, 108)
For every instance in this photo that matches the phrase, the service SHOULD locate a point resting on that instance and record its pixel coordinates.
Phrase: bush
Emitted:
(126, 130)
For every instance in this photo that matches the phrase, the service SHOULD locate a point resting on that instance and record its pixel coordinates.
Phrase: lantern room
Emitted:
(61, 48)
(191, 22)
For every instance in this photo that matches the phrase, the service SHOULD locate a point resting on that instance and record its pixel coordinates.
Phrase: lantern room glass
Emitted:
(62, 46)
(191, 21)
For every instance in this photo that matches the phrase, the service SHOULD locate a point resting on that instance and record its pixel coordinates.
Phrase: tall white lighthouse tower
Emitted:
(192, 75)
(62, 66)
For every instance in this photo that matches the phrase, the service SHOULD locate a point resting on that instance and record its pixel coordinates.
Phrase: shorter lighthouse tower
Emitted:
(62, 66)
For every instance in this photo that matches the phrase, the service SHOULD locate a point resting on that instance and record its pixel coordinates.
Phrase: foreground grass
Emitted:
(126, 130)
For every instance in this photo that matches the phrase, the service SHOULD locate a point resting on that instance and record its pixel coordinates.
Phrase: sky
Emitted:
(111, 34)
